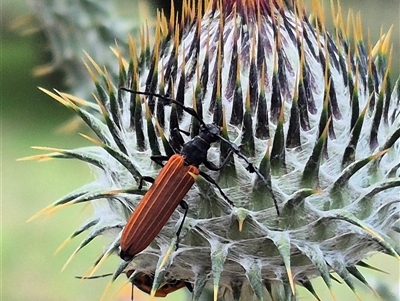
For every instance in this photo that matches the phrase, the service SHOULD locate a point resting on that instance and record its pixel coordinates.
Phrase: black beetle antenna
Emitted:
(168, 100)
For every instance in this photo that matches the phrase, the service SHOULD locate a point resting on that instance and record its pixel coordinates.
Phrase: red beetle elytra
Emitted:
(157, 205)
(173, 183)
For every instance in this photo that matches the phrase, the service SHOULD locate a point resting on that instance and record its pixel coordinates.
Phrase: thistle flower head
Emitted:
(315, 113)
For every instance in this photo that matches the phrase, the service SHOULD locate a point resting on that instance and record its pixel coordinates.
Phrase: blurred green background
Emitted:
(30, 271)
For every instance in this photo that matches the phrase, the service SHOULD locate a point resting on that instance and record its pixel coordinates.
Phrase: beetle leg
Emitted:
(177, 132)
(189, 286)
(250, 168)
(176, 139)
(212, 166)
(159, 159)
(235, 149)
(185, 207)
(212, 181)
(145, 179)
(94, 277)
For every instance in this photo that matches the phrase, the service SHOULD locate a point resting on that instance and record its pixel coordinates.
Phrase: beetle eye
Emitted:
(214, 129)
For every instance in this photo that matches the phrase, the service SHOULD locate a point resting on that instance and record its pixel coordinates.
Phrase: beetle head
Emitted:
(210, 132)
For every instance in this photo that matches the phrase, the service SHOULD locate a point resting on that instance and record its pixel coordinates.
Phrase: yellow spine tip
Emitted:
(69, 260)
(106, 290)
(62, 246)
(95, 268)
(240, 222)
(332, 294)
(91, 139)
(167, 255)
(358, 296)
(93, 62)
(215, 293)
(152, 294)
(194, 176)
(46, 210)
(43, 70)
(290, 276)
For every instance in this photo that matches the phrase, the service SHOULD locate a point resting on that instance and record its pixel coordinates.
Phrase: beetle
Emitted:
(173, 182)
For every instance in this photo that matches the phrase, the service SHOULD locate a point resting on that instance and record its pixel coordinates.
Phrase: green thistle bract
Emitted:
(316, 113)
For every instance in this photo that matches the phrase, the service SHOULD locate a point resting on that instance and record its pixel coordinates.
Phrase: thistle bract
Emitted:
(315, 112)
